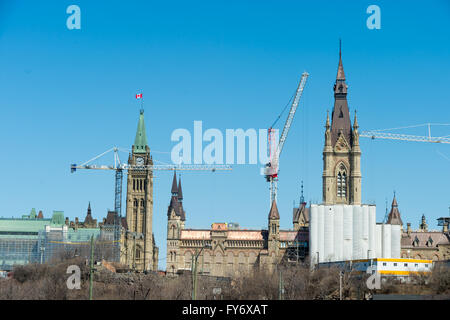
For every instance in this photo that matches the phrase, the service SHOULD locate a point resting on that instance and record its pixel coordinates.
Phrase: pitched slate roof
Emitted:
(140, 142)
(273, 214)
(174, 189)
(180, 192)
(341, 115)
(301, 210)
(394, 214)
(437, 237)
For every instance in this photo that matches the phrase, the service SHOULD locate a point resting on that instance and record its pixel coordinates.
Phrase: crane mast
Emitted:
(119, 167)
(271, 169)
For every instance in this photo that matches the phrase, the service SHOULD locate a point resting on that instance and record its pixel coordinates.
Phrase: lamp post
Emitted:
(91, 269)
(194, 270)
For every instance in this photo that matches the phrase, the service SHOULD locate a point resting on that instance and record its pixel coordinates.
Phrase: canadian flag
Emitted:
(139, 96)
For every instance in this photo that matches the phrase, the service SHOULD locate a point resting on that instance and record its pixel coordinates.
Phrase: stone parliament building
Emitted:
(224, 250)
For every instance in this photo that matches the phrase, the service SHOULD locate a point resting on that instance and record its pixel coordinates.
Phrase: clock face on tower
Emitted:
(140, 161)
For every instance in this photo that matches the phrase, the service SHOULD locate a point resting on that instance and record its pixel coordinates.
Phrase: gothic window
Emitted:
(135, 204)
(134, 184)
(138, 254)
(342, 182)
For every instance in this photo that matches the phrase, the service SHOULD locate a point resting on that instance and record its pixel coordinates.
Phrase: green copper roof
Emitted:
(140, 142)
(58, 217)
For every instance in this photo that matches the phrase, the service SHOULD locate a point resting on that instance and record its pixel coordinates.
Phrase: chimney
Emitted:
(445, 227)
(408, 228)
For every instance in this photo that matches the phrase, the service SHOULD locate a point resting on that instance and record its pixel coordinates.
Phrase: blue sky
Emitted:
(68, 95)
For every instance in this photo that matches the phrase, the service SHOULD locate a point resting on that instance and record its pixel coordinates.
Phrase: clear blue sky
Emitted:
(68, 95)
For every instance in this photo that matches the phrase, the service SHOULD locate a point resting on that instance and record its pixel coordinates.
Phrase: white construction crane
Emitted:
(382, 134)
(272, 167)
(119, 167)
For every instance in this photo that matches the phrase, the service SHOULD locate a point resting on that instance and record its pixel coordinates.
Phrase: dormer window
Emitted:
(429, 242)
(416, 242)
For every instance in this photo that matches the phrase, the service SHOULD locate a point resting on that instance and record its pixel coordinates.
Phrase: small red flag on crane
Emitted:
(139, 96)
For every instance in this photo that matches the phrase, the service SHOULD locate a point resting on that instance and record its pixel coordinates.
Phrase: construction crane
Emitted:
(272, 167)
(382, 134)
(119, 167)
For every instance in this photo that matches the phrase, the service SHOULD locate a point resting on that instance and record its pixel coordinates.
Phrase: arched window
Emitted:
(342, 182)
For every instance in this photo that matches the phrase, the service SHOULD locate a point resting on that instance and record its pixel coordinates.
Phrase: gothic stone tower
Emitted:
(341, 154)
(176, 217)
(140, 242)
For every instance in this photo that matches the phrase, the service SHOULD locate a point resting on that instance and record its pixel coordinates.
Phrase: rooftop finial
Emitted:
(302, 198)
(340, 74)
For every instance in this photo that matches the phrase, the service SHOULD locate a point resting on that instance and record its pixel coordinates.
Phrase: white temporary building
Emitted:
(350, 232)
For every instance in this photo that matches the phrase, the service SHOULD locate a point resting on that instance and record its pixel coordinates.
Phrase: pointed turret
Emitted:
(180, 192)
(340, 116)
(140, 142)
(273, 214)
(328, 134)
(174, 184)
(327, 124)
(394, 215)
(355, 135)
(355, 122)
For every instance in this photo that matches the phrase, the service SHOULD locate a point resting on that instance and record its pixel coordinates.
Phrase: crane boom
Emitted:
(271, 169)
(404, 137)
(291, 114)
(119, 167)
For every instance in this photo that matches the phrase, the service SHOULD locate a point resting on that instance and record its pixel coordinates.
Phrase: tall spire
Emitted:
(174, 184)
(180, 192)
(340, 116)
(340, 73)
(140, 142)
